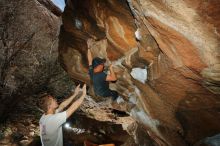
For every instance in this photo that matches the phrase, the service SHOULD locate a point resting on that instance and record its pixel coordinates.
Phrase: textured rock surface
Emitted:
(186, 33)
(28, 46)
(177, 41)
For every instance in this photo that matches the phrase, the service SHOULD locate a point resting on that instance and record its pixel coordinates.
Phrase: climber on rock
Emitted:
(101, 79)
(52, 119)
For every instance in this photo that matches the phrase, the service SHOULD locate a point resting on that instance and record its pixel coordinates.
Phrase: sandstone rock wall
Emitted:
(176, 41)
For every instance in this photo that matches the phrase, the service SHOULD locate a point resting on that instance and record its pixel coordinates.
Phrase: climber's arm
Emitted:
(89, 56)
(111, 76)
(69, 100)
(77, 103)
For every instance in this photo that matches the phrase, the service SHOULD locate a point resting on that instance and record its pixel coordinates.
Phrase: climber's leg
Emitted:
(111, 93)
(114, 94)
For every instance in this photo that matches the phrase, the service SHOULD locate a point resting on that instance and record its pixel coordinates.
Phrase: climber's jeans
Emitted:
(111, 93)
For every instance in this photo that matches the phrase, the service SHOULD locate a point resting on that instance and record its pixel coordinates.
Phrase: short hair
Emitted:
(45, 102)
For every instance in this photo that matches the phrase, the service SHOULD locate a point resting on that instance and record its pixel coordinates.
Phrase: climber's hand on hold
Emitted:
(89, 57)
(110, 66)
(89, 50)
(111, 76)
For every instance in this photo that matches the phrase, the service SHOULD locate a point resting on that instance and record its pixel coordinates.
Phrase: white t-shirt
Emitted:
(51, 133)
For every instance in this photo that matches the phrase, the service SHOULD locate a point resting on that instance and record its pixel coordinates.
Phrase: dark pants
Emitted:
(111, 93)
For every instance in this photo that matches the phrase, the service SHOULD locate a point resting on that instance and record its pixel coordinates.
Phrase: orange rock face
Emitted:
(177, 41)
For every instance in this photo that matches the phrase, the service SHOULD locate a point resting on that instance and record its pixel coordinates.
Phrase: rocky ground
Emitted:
(21, 128)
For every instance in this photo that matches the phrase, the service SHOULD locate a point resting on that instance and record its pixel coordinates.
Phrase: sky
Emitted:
(60, 4)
